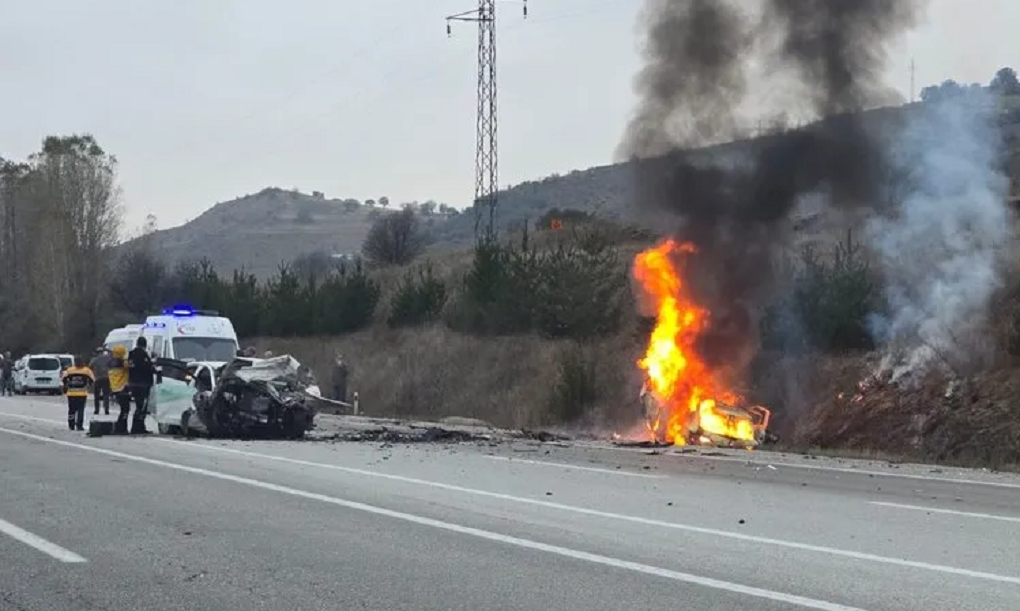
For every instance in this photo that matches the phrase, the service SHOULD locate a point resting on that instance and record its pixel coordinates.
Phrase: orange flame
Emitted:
(690, 397)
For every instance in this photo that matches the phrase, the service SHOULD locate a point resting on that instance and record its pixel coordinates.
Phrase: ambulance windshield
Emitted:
(216, 349)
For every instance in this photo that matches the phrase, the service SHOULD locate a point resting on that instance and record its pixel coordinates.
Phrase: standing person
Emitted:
(100, 366)
(76, 382)
(118, 372)
(141, 377)
(340, 372)
(7, 375)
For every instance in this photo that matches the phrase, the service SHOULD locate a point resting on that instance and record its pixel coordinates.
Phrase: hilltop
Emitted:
(259, 231)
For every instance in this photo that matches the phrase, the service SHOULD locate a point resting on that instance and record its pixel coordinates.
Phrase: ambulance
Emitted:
(201, 338)
(185, 334)
(124, 336)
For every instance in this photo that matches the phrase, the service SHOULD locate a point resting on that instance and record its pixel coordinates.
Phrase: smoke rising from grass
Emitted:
(940, 248)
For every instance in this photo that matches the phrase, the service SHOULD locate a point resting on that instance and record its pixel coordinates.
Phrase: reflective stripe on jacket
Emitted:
(77, 381)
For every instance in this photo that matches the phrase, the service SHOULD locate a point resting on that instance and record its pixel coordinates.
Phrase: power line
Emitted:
(486, 141)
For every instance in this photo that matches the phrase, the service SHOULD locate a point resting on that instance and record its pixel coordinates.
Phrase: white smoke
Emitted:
(939, 247)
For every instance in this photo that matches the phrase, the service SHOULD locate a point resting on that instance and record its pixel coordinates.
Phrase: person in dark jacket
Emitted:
(7, 375)
(340, 373)
(100, 366)
(141, 377)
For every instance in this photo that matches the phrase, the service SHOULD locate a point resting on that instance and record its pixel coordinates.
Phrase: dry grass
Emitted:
(434, 372)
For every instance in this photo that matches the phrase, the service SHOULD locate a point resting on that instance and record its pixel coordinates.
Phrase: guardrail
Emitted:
(341, 408)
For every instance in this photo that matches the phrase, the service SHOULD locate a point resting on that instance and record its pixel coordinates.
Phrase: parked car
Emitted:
(19, 366)
(41, 373)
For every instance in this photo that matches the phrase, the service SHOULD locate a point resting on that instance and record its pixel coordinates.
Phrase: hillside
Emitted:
(609, 190)
(260, 231)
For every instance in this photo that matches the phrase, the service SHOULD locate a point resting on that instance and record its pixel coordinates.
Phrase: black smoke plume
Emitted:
(734, 203)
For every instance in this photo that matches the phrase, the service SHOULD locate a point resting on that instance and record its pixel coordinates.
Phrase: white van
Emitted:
(41, 373)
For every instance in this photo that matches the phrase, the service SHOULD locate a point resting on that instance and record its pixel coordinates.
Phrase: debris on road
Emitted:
(431, 434)
(347, 428)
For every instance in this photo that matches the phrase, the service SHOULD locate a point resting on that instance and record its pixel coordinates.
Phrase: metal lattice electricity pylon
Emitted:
(486, 146)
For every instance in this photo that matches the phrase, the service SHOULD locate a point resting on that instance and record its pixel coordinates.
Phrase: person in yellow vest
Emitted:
(119, 387)
(76, 382)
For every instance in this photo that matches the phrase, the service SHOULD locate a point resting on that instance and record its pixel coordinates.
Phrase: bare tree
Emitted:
(139, 281)
(73, 187)
(394, 239)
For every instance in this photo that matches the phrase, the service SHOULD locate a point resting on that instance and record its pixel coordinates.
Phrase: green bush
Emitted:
(577, 387)
(340, 300)
(496, 292)
(828, 305)
(347, 300)
(419, 298)
(573, 290)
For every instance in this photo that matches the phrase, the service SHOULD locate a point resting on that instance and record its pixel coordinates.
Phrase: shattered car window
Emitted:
(216, 349)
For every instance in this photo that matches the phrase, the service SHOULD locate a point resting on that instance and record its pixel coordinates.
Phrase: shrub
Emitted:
(828, 305)
(572, 290)
(496, 290)
(579, 287)
(576, 389)
(335, 301)
(287, 304)
(419, 298)
(347, 300)
(394, 239)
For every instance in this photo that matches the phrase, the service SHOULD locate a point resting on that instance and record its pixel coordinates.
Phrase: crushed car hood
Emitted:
(265, 398)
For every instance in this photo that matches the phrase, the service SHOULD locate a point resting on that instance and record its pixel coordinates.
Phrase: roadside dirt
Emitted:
(972, 421)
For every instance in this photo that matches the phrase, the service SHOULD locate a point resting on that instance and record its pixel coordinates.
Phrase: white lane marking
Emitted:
(757, 463)
(707, 582)
(50, 549)
(582, 510)
(613, 516)
(967, 514)
(543, 463)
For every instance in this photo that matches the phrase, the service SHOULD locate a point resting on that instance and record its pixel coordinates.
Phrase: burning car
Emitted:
(686, 401)
(247, 397)
(711, 423)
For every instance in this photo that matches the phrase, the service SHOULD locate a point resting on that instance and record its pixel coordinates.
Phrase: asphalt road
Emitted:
(156, 523)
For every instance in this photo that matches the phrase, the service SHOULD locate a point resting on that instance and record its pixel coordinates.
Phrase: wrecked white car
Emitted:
(272, 398)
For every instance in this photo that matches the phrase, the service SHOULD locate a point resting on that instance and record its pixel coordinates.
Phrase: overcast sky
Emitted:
(206, 100)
